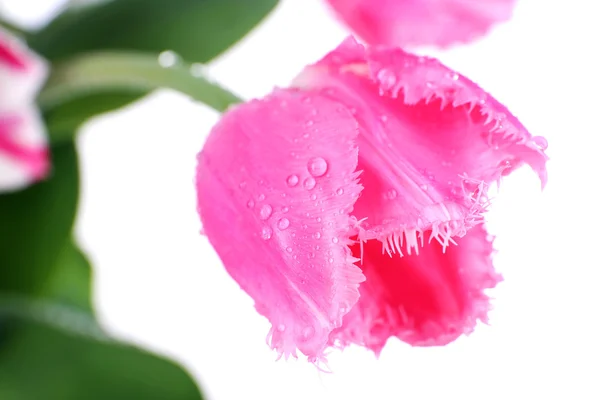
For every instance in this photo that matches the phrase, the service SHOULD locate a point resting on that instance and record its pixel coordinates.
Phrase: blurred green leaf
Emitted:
(71, 93)
(36, 225)
(71, 280)
(53, 353)
(65, 118)
(198, 30)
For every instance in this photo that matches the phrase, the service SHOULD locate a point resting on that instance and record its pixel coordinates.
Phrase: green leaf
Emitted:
(65, 118)
(71, 280)
(97, 82)
(36, 225)
(198, 30)
(53, 353)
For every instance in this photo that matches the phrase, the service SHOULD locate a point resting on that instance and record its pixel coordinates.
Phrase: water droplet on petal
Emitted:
(310, 122)
(313, 197)
(292, 180)
(285, 209)
(289, 249)
(261, 197)
(331, 261)
(317, 235)
(266, 233)
(455, 77)
(392, 194)
(265, 211)
(309, 183)
(283, 224)
(319, 219)
(340, 191)
(281, 327)
(308, 332)
(540, 142)
(335, 240)
(317, 166)
(250, 204)
(424, 187)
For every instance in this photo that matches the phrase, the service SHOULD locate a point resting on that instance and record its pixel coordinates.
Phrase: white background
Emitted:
(159, 283)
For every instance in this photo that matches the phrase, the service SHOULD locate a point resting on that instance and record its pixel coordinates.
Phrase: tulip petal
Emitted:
(22, 73)
(421, 22)
(426, 299)
(24, 155)
(431, 141)
(276, 182)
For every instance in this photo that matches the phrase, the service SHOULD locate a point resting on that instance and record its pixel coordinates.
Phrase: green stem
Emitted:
(103, 72)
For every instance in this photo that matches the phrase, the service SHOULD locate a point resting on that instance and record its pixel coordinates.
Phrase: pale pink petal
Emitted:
(421, 22)
(24, 155)
(276, 182)
(427, 299)
(22, 73)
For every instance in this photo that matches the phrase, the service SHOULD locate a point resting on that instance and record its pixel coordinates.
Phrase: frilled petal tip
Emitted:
(22, 72)
(276, 183)
(427, 298)
(421, 22)
(24, 154)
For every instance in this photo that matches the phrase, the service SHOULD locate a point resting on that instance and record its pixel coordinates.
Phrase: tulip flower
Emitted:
(24, 155)
(350, 206)
(421, 22)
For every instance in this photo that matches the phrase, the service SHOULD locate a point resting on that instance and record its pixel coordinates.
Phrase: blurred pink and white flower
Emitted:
(350, 206)
(24, 156)
(421, 22)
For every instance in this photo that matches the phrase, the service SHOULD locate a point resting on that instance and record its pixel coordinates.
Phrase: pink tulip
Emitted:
(23, 151)
(421, 22)
(350, 207)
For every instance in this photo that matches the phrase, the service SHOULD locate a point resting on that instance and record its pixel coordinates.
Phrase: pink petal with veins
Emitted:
(427, 143)
(276, 182)
(421, 22)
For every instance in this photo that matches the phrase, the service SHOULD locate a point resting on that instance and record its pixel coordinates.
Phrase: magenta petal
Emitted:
(276, 182)
(421, 22)
(427, 299)
(431, 141)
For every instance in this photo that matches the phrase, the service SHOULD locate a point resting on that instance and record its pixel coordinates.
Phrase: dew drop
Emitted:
(319, 219)
(265, 211)
(317, 166)
(317, 235)
(455, 77)
(292, 180)
(335, 240)
(310, 122)
(283, 224)
(313, 197)
(285, 209)
(340, 191)
(309, 183)
(540, 142)
(167, 59)
(289, 249)
(266, 233)
(197, 70)
(281, 327)
(261, 197)
(331, 261)
(424, 187)
(392, 194)
(308, 332)
(250, 204)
